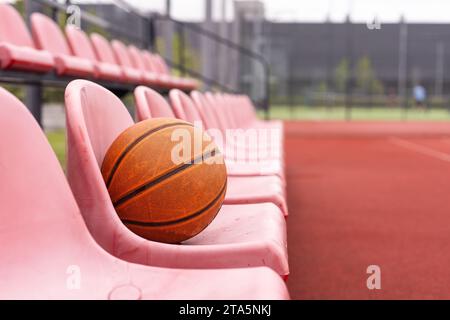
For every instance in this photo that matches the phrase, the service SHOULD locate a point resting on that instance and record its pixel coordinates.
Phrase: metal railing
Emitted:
(182, 27)
(181, 66)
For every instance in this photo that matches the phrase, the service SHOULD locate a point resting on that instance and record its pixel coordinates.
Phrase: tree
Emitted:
(366, 80)
(341, 75)
(20, 7)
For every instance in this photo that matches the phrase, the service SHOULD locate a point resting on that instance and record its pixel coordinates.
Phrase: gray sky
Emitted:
(317, 10)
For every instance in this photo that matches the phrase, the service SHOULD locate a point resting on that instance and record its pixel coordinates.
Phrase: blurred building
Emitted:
(310, 58)
(250, 9)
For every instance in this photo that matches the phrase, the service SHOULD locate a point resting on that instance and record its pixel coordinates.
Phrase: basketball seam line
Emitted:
(159, 179)
(135, 142)
(171, 222)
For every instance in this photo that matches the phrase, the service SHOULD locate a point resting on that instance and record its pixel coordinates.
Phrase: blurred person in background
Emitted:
(420, 96)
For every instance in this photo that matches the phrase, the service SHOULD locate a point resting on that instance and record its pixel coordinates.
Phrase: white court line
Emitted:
(421, 149)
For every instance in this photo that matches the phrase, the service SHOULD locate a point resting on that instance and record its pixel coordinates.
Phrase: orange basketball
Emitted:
(166, 179)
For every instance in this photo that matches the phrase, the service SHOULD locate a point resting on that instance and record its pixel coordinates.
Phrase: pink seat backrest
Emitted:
(211, 104)
(160, 64)
(94, 118)
(47, 35)
(149, 62)
(249, 105)
(183, 106)
(79, 43)
(223, 105)
(121, 53)
(208, 118)
(237, 111)
(244, 110)
(136, 58)
(238, 114)
(99, 112)
(103, 49)
(41, 228)
(150, 104)
(12, 27)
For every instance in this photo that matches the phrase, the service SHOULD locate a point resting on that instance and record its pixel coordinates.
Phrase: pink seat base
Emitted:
(246, 190)
(74, 66)
(25, 58)
(132, 75)
(108, 71)
(266, 168)
(231, 228)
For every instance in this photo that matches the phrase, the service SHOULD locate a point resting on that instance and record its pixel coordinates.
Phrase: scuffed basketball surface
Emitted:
(155, 197)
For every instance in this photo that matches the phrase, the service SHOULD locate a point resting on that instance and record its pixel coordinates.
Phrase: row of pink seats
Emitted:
(256, 186)
(75, 54)
(47, 245)
(218, 113)
(251, 233)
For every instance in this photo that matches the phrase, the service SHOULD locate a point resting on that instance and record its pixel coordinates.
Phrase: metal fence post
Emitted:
(267, 87)
(33, 101)
(349, 81)
(181, 49)
(33, 93)
(151, 32)
(207, 46)
(403, 66)
(168, 33)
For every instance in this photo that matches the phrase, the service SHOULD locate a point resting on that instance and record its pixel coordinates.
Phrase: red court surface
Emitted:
(363, 194)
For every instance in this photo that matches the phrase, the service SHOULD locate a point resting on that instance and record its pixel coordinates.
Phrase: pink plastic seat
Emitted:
(213, 114)
(48, 253)
(240, 235)
(236, 112)
(138, 62)
(240, 190)
(17, 50)
(157, 64)
(48, 36)
(221, 99)
(243, 106)
(181, 83)
(123, 57)
(236, 166)
(235, 106)
(105, 54)
(82, 47)
(276, 127)
(151, 66)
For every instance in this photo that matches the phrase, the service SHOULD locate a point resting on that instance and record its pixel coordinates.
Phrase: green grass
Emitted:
(339, 113)
(57, 140)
